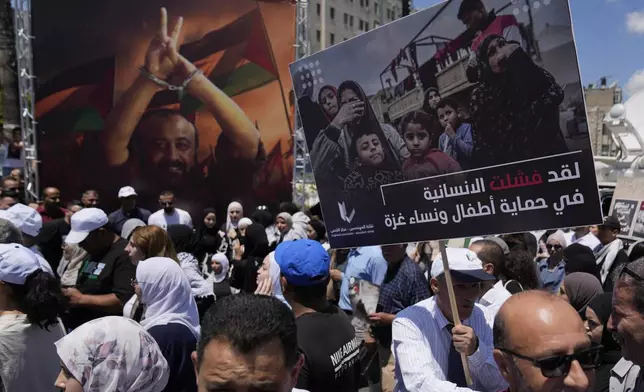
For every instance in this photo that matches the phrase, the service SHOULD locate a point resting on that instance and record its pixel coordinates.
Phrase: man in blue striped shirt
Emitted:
(426, 344)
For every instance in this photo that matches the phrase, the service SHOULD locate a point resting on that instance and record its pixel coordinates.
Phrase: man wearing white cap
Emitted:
(29, 222)
(127, 197)
(427, 346)
(105, 279)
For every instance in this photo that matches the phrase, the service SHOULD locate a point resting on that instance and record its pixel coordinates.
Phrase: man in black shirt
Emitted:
(105, 280)
(324, 333)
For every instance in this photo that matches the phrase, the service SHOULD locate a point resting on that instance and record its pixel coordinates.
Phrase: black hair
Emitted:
(521, 241)
(319, 228)
(40, 298)
(469, 6)
(289, 207)
(165, 114)
(306, 294)
(520, 266)
(637, 251)
(247, 322)
(74, 203)
(426, 121)
(90, 191)
(449, 101)
(491, 253)
(498, 331)
(166, 193)
(637, 268)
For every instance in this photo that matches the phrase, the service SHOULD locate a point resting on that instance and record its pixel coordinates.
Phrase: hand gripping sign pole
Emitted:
(452, 303)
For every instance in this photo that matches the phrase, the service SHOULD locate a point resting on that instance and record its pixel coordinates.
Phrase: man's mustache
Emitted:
(166, 165)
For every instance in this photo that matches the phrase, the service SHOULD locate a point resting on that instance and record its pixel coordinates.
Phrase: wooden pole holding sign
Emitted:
(452, 303)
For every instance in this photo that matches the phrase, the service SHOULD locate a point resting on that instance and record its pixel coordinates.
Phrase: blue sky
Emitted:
(610, 39)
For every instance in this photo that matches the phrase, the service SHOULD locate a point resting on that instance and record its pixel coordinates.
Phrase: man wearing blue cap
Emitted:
(324, 333)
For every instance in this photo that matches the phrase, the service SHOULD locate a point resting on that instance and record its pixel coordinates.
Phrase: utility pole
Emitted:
(322, 24)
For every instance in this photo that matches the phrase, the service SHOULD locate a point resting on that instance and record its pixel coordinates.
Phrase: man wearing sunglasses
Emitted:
(627, 324)
(168, 214)
(541, 345)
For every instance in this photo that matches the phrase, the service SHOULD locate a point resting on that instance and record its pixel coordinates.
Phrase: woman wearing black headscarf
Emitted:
(515, 109)
(248, 258)
(597, 313)
(579, 258)
(333, 147)
(210, 240)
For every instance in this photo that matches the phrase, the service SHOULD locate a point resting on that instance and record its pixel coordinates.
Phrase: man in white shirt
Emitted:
(493, 258)
(169, 215)
(582, 235)
(426, 358)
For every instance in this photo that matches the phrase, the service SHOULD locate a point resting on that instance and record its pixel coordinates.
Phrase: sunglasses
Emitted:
(551, 246)
(559, 365)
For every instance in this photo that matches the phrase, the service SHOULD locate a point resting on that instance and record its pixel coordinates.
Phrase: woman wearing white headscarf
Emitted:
(553, 269)
(269, 279)
(171, 317)
(284, 224)
(234, 213)
(219, 275)
(111, 354)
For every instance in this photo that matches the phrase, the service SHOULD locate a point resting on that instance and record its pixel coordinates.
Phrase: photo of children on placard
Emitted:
(463, 85)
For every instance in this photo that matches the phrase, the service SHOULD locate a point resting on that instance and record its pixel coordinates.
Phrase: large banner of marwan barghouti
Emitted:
(106, 119)
(463, 119)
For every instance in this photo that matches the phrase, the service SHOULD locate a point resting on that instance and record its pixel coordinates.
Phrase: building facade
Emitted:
(599, 100)
(347, 18)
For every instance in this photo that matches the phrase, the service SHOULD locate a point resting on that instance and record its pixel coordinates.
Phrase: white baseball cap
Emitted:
(25, 218)
(126, 191)
(464, 265)
(84, 222)
(17, 263)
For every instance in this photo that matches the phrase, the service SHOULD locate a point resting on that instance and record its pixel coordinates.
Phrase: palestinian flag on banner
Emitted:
(236, 58)
(272, 172)
(78, 99)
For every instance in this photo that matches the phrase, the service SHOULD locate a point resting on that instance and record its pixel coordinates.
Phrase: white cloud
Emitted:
(635, 83)
(635, 22)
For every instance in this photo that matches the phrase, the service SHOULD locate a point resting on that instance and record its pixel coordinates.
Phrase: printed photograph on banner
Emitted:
(466, 112)
(207, 117)
(625, 211)
(638, 225)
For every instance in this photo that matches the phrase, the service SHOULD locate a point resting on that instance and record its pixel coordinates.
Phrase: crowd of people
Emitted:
(141, 301)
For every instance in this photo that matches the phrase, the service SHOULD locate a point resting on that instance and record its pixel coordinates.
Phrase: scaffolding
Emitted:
(303, 183)
(24, 66)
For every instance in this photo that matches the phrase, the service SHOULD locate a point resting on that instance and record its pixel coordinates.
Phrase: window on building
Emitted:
(351, 20)
(375, 7)
(366, 3)
(346, 19)
(318, 36)
(366, 26)
(361, 24)
(361, 3)
(332, 38)
(388, 13)
(318, 8)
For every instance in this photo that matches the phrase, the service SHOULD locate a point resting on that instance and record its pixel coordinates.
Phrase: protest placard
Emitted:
(432, 127)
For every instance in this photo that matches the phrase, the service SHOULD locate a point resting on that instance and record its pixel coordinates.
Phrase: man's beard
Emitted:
(171, 172)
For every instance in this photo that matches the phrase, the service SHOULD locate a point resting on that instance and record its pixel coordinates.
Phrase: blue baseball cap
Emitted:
(303, 262)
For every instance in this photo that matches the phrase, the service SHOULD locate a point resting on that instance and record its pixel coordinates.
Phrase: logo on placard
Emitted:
(343, 213)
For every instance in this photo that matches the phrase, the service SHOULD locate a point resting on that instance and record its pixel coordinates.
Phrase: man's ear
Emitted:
(196, 365)
(489, 268)
(295, 372)
(505, 367)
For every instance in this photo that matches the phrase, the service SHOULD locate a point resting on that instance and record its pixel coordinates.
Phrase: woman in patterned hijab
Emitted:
(111, 354)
